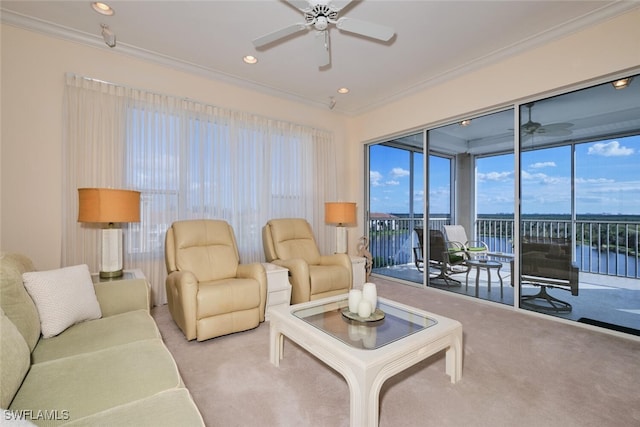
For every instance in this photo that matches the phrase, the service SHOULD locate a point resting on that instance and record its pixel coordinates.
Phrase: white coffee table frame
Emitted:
(366, 370)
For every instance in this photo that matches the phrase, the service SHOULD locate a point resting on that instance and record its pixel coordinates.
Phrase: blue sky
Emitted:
(607, 180)
(389, 180)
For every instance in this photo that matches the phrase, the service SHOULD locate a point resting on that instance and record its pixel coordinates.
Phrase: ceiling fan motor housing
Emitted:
(320, 16)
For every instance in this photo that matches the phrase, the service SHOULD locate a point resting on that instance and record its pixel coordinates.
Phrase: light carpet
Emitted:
(519, 370)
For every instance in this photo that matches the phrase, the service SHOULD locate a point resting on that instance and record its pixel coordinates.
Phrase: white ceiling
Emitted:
(434, 41)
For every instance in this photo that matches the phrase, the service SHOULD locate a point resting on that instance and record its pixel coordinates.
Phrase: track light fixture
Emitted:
(108, 35)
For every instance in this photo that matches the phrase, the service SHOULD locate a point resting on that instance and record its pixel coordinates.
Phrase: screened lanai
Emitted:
(549, 185)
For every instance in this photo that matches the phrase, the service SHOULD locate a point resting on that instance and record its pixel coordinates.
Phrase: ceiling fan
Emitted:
(319, 14)
(552, 129)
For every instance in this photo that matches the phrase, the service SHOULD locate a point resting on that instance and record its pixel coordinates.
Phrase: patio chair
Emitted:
(447, 257)
(457, 236)
(547, 263)
(418, 251)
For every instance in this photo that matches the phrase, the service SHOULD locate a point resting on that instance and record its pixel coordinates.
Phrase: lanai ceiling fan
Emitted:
(531, 128)
(319, 14)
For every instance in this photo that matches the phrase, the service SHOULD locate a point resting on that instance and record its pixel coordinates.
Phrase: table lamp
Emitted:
(109, 206)
(340, 213)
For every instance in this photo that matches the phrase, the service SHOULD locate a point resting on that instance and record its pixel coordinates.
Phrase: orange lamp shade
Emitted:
(340, 212)
(108, 205)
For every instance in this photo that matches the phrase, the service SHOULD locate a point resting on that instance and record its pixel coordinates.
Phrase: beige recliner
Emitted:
(209, 292)
(289, 242)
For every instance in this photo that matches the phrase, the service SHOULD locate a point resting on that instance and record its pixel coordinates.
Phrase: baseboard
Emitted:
(611, 326)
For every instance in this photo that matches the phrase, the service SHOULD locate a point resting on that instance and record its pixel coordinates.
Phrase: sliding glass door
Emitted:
(396, 206)
(580, 206)
(549, 188)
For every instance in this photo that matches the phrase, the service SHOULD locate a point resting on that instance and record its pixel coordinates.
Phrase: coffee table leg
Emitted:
(364, 394)
(276, 345)
(359, 407)
(454, 357)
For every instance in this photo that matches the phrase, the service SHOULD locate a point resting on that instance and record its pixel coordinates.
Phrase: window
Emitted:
(190, 161)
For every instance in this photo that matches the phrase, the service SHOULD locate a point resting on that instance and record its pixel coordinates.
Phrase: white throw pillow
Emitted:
(63, 297)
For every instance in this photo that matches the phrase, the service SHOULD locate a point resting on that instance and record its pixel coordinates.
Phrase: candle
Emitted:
(369, 339)
(369, 293)
(364, 309)
(355, 296)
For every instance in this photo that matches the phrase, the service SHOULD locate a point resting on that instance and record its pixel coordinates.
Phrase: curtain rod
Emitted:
(71, 75)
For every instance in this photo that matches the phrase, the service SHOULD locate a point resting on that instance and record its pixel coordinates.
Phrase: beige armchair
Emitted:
(290, 243)
(209, 292)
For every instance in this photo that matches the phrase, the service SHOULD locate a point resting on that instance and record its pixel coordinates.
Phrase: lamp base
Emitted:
(111, 274)
(341, 239)
(111, 254)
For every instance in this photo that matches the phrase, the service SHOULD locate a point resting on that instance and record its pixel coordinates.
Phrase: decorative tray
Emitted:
(375, 316)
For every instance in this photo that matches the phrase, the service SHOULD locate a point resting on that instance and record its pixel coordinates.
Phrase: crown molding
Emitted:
(600, 15)
(70, 34)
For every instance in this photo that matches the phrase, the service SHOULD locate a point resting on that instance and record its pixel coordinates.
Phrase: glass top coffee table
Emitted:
(366, 353)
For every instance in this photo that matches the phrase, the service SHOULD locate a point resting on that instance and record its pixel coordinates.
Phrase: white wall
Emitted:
(610, 47)
(33, 69)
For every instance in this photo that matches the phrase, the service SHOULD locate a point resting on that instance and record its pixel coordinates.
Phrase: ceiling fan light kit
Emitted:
(319, 15)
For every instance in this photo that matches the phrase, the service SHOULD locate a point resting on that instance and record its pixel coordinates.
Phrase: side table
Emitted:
(488, 265)
(278, 287)
(134, 273)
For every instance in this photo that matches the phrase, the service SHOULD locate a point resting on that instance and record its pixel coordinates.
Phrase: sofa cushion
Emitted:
(98, 334)
(169, 408)
(14, 360)
(14, 299)
(121, 296)
(89, 383)
(63, 297)
(14, 419)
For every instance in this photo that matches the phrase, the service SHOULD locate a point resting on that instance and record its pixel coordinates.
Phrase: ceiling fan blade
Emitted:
(299, 4)
(367, 29)
(339, 5)
(553, 132)
(556, 126)
(278, 34)
(322, 48)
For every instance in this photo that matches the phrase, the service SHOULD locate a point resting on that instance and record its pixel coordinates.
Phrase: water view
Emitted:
(604, 244)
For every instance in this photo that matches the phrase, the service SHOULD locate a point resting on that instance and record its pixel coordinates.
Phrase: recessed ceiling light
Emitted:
(465, 122)
(343, 90)
(102, 8)
(622, 83)
(250, 59)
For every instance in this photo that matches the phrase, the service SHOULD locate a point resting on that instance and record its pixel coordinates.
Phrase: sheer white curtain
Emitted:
(190, 160)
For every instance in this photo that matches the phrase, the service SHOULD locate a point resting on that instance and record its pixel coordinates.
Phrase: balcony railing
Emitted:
(608, 248)
(391, 241)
